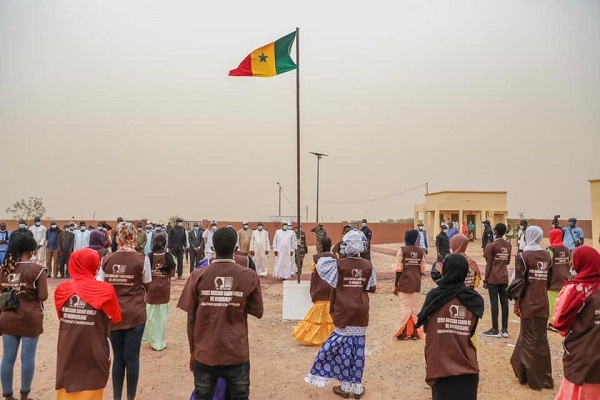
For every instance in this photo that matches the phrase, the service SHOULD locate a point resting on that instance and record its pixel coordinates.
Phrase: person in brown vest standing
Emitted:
(85, 308)
(129, 272)
(531, 357)
(559, 269)
(317, 325)
(342, 356)
(23, 325)
(410, 262)
(450, 315)
(577, 317)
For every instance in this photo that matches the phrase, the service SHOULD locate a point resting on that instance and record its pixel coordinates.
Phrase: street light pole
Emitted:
(319, 156)
(279, 199)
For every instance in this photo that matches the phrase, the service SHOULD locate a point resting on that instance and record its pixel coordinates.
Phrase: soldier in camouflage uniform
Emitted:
(321, 233)
(301, 250)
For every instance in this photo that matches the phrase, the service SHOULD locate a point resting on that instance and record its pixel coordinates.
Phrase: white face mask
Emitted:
(22, 226)
(214, 228)
(260, 228)
(180, 223)
(82, 228)
(158, 229)
(196, 228)
(53, 226)
(245, 227)
(38, 223)
(420, 228)
(364, 224)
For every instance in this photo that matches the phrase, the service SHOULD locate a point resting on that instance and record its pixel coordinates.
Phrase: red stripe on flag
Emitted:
(244, 69)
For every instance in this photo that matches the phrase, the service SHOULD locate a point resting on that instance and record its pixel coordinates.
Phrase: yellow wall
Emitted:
(483, 205)
(595, 189)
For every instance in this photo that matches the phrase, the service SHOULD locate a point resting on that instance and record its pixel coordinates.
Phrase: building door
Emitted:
(471, 220)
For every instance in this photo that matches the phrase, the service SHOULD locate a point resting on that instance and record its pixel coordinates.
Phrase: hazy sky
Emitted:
(125, 107)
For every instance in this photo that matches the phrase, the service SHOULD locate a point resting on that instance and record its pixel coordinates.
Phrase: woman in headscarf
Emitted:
(531, 357)
(342, 356)
(450, 315)
(129, 272)
(23, 325)
(458, 245)
(317, 325)
(576, 317)
(98, 243)
(559, 269)
(86, 308)
(410, 263)
(159, 294)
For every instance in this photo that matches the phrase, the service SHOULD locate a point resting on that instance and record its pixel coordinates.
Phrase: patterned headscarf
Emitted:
(126, 236)
(353, 243)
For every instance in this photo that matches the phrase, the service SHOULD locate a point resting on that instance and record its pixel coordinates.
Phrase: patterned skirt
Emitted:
(341, 358)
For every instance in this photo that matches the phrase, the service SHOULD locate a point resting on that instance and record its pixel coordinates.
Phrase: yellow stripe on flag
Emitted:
(263, 61)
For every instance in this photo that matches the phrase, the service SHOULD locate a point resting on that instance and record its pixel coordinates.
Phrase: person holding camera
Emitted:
(572, 235)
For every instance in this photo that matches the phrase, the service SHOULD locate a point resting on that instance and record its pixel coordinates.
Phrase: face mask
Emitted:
(420, 228)
(180, 223)
(148, 230)
(260, 228)
(444, 230)
(38, 223)
(82, 228)
(285, 227)
(214, 228)
(196, 228)
(3, 229)
(22, 226)
(364, 224)
(139, 229)
(158, 229)
(245, 227)
(571, 224)
(53, 226)
(72, 228)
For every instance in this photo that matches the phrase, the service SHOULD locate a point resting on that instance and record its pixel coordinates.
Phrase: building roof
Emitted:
(593, 180)
(468, 191)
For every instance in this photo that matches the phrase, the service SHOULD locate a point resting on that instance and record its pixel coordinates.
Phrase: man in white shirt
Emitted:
(284, 245)
(259, 249)
(82, 237)
(39, 234)
(208, 240)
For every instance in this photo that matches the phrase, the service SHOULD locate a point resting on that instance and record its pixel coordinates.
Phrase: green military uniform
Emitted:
(301, 250)
(321, 233)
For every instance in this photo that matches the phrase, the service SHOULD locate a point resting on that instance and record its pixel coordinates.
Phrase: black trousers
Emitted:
(495, 292)
(461, 387)
(63, 261)
(237, 377)
(179, 255)
(195, 258)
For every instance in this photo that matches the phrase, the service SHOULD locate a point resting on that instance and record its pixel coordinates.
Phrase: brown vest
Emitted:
(560, 267)
(351, 302)
(449, 350)
(124, 270)
(410, 278)
(239, 257)
(581, 361)
(27, 320)
(534, 298)
(159, 290)
(319, 289)
(83, 356)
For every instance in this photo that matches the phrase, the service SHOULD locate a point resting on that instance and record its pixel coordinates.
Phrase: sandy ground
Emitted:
(394, 369)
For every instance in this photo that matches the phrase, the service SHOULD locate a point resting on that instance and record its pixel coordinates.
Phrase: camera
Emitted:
(555, 223)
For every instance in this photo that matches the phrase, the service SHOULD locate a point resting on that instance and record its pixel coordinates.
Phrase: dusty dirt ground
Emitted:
(394, 369)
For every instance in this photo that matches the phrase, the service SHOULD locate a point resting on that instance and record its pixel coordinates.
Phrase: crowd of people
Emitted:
(120, 285)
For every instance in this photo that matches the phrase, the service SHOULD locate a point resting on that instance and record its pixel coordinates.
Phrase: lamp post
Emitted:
(279, 199)
(319, 156)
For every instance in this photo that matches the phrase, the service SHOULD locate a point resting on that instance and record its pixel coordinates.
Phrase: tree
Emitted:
(174, 218)
(27, 209)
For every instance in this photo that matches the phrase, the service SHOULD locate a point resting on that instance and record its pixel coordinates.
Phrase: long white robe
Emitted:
(39, 234)
(259, 244)
(82, 239)
(284, 243)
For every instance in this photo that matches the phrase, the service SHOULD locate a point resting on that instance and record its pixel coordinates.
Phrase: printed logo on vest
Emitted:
(413, 254)
(14, 278)
(457, 311)
(223, 282)
(119, 269)
(76, 302)
(357, 273)
(542, 265)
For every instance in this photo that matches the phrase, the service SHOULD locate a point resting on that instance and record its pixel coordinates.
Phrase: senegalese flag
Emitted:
(269, 60)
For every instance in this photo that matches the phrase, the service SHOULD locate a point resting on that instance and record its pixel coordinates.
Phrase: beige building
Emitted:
(595, 189)
(469, 206)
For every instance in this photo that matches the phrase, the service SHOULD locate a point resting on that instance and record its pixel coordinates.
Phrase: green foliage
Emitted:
(27, 209)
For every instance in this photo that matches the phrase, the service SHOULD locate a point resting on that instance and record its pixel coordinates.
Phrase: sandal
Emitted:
(358, 396)
(342, 393)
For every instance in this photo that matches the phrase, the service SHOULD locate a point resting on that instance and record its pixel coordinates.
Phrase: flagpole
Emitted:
(298, 143)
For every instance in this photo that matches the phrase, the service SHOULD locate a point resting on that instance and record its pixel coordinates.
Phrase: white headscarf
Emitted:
(533, 237)
(353, 243)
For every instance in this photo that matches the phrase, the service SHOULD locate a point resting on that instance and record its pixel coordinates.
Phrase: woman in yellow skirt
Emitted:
(317, 325)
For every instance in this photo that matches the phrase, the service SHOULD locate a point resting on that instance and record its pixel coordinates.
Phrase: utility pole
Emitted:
(279, 199)
(319, 156)
(426, 187)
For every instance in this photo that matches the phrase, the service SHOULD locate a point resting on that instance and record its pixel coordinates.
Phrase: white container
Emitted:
(296, 299)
